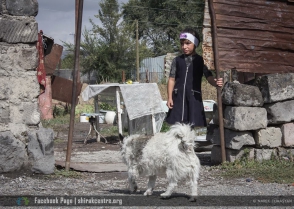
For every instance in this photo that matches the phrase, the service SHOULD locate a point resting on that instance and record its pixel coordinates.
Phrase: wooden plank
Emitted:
(255, 67)
(256, 35)
(253, 35)
(256, 45)
(256, 56)
(119, 111)
(251, 24)
(262, 4)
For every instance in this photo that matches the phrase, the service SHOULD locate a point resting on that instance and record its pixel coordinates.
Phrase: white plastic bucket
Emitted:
(84, 119)
(109, 117)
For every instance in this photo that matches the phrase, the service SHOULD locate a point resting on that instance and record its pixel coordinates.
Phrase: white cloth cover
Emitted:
(139, 99)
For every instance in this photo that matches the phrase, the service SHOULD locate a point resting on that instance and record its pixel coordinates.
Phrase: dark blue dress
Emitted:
(187, 99)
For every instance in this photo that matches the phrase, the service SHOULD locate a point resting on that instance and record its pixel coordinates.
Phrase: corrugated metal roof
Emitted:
(253, 35)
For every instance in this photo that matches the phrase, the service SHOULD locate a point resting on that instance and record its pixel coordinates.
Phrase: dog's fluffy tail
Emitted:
(185, 133)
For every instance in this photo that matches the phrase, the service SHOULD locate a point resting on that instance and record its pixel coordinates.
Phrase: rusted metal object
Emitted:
(62, 89)
(216, 65)
(52, 59)
(75, 83)
(254, 36)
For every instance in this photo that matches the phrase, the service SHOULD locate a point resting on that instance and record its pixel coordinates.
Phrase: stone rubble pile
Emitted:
(258, 119)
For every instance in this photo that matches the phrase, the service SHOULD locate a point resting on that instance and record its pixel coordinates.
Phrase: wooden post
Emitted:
(119, 122)
(123, 79)
(137, 51)
(216, 65)
(153, 124)
(97, 118)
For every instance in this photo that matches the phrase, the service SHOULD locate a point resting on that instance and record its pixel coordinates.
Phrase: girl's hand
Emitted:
(219, 82)
(170, 103)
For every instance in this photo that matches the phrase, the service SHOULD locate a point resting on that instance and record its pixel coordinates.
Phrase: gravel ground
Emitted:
(115, 184)
(211, 186)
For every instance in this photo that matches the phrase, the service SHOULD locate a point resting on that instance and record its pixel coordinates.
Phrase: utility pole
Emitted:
(137, 51)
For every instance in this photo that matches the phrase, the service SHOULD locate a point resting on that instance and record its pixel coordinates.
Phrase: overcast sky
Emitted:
(57, 17)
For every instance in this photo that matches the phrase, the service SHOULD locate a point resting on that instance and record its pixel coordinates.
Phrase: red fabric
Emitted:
(41, 74)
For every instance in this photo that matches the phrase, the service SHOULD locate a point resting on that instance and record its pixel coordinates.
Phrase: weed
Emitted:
(165, 127)
(57, 141)
(68, 174)
(85, 108)
(56, 122)
(105, 106)
(267, 171)
(112, 130)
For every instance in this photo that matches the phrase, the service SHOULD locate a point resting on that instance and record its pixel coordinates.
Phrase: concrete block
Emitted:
(237, 94)
(287, 135)
(5, 90)
(26, 113)
(24, 89)
(22, 7)
(16, 59)
(264, 154)
(41, 151)
(12, 153)
(18, 30)
(31, 114)
(280, 112)
(231, 155)
(269, 137)
(1, 4)
(4, 115)
(233, 139)
(277, 87)
(245, 118)
(18, 130)
(285, 153)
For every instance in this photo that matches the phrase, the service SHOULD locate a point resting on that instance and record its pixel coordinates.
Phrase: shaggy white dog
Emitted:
(171, 152)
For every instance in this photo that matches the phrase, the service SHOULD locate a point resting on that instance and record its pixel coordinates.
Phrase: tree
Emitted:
(160, 21)
(110, 48)
(117, 46)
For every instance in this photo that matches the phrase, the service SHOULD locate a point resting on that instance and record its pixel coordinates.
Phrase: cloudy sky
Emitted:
(57, 17)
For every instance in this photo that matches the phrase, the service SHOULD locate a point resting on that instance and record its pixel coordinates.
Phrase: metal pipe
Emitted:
(216, 65)
(74, 85)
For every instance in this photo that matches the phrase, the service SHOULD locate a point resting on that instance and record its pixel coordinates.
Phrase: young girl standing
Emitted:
(184, 84)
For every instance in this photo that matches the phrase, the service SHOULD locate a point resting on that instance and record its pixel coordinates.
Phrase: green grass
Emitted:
(56, 122)
(112, 130)
(67, 174)
(165, 127)
(268, 171)
(86, 108)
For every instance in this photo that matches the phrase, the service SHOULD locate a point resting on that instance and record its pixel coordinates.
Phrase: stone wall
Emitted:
(258, 119)
(19, 91)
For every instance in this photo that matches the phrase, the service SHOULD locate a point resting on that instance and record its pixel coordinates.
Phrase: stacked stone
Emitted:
(257, 118)
(22, 143)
